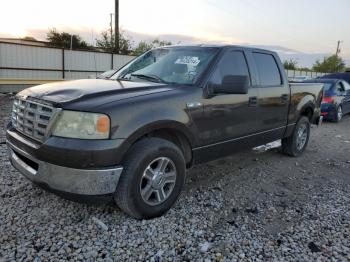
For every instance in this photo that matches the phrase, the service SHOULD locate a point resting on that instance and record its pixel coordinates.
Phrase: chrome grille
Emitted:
(32, 118)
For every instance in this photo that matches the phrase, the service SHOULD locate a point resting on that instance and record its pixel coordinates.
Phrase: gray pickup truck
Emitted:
(131, 137)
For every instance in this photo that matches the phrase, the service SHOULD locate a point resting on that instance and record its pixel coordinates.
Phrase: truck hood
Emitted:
(97, 89)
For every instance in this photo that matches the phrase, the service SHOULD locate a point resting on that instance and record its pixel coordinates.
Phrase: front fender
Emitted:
(155, 118)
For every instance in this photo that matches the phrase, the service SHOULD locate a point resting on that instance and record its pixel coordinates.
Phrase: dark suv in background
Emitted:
(336, 99)
(345, 76)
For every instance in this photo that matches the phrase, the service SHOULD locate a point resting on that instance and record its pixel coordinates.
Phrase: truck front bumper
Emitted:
(60, 179)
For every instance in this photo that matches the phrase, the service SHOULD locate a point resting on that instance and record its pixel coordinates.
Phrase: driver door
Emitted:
(229, 120)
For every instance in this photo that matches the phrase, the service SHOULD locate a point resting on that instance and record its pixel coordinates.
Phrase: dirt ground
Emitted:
(253, 206)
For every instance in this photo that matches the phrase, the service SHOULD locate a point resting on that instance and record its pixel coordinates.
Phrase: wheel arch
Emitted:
(304, 109)
(172, 131)
(307, 110)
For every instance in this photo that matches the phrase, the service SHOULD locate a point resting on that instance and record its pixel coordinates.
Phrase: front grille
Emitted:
(31, 118)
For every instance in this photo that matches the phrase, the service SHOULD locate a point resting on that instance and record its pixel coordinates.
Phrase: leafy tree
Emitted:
(304, 69)
(64, 39)
(290, 64)
(29, 38)
(347, 69)
(107, 43)
(158, 43)
(330, 64)
(143, 46)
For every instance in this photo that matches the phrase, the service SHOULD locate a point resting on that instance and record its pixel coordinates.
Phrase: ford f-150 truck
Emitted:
(131, 138)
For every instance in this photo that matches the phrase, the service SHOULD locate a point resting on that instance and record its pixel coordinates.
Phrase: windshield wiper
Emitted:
(153, 78)
(122, 79)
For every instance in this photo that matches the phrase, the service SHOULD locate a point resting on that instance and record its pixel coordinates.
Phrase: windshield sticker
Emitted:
(188, 60)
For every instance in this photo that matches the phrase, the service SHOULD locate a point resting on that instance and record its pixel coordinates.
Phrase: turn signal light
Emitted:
(102, 124)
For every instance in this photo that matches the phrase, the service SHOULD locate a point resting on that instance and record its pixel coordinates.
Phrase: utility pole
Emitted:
(338, 48)
(71, 42)
(116, 27)
(111, 25)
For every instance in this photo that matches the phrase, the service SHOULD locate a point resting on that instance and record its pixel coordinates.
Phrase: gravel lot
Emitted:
(253, 206)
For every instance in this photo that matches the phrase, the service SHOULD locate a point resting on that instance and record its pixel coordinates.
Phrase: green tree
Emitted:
(107, 43)
(64, 40)
(304, 69)
(158, 43)
(329, 64)
(29, 38)
(143, 46)
(290, 64)
(347, 69)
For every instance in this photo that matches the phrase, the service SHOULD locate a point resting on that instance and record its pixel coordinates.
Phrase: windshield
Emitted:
(181, 65)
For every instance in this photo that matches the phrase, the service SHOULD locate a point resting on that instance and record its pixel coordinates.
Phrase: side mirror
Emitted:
(233, 84)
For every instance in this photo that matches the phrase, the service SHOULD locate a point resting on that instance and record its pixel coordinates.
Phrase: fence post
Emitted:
(63, 66)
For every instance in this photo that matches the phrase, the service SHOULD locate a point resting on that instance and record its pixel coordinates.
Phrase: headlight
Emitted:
(82, 125)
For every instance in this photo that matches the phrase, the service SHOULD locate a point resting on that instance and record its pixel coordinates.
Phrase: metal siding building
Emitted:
(23, 62)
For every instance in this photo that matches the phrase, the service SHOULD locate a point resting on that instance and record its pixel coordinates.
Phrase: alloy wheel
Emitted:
(302, 135)
(339, 113)
(158, 181)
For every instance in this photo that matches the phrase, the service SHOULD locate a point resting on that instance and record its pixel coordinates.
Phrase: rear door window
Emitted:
(268, 71)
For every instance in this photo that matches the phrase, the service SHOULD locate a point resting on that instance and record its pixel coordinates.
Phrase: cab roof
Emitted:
(221, 46)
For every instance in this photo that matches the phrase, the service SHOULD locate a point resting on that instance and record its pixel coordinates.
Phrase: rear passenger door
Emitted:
(273, 95)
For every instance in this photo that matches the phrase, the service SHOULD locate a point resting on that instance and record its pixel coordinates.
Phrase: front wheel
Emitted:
(295, 144)
(153, 176)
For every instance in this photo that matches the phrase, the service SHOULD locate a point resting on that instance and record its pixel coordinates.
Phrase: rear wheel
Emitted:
(295, 144)
(153, 176)
(339, 115)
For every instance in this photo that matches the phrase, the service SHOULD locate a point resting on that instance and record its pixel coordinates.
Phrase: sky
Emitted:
(299, 27)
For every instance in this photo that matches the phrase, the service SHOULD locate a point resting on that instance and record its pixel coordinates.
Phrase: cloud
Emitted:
(304, 59)
(174, 38)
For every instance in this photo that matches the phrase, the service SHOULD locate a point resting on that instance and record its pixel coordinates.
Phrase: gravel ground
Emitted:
(253, 206)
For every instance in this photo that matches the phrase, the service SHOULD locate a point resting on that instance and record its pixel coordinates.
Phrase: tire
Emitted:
(339, 114)
(149, 165)
(295, 144)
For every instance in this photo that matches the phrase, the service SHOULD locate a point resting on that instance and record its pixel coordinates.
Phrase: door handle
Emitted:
(253, 101)
(284, 97)
(194, 105)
